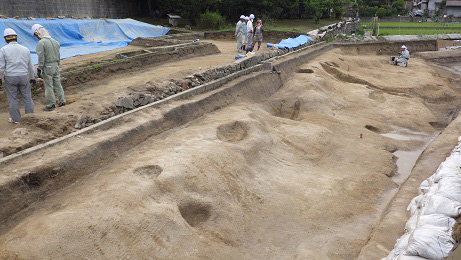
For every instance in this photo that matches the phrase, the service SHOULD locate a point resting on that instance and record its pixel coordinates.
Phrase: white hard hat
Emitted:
(246, 18)
(403, 47)
(9, 32)
(242, 17)
(252, 16)
(35, 27)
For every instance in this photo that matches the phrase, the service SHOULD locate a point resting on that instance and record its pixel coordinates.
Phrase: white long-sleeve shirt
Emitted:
(250, 26)
(15, 60)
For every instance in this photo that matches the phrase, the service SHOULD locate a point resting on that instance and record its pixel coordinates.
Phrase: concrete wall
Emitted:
(69, 8)
(454, 11)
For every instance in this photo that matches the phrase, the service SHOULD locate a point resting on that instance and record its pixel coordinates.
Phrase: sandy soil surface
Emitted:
(305, 174)
(91, 98)
(96, 57)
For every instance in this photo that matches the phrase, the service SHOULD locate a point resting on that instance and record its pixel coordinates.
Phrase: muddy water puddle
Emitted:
(406, 160)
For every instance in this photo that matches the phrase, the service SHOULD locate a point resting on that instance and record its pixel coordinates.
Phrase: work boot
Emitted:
(49, 108)
(12, 121)
(62, 104)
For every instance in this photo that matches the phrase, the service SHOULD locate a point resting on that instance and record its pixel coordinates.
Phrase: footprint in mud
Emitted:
(195, 212)
(149, 170)
(233, 132)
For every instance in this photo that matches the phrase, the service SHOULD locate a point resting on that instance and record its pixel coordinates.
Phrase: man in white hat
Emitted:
(250, 29)
(16, 66)
(404, 57)
(49, 58)
(239, 30)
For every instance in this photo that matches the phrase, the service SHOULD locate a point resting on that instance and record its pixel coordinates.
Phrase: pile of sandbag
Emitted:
(428, 232)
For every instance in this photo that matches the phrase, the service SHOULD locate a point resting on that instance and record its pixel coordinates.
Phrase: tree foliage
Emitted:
(192, 9)
(278, 9)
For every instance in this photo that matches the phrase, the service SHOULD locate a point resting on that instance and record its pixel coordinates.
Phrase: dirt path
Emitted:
(91, 98)
(304, 174)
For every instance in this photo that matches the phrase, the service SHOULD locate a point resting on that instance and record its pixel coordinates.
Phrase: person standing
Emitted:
(258, 34)
(250, 33)
(245, 33)
(16, 66)
(239, 33)
(49, 58)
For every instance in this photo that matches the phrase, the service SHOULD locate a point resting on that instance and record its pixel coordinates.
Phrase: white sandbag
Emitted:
(449, 168)
(440, 205)
(450, 187)
(402, 244)
(391, 256)
(411, 223)
(415, 205)
(408, 257)
(430, 242)
(424, 187)
(436, 220)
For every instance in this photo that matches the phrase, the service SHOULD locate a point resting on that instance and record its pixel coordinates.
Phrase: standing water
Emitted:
(406, 160)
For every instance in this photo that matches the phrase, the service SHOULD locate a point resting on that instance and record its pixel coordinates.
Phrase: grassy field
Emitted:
(419, 28)
(416, 24)
(406, 31)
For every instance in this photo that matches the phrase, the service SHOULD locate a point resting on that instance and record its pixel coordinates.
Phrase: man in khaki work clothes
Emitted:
(48, 67)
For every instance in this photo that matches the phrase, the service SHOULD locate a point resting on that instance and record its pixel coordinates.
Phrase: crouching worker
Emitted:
(403, 59)
(16, 66)
(49, 58)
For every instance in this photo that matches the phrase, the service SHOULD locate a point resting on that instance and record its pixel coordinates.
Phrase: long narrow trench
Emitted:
(290, 174)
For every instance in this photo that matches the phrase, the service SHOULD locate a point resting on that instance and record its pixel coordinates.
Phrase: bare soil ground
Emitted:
(90, 99)
(303, 174)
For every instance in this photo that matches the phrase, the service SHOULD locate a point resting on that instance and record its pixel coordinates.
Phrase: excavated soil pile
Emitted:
(305, 174)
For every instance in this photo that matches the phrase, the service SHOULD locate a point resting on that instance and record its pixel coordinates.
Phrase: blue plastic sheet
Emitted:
(81, 37)
(291, 43)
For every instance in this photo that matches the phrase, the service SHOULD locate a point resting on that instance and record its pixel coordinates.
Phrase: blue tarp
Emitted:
(291, 43)
(80, 37)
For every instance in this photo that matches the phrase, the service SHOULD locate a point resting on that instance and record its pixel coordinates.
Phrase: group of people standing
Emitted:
(248, 35)
(17, 69)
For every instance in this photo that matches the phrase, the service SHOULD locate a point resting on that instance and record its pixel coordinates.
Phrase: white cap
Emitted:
(242, 17)
(246, 18)
(9, 32)
(252, 16)
(35, 27)
(403, 47)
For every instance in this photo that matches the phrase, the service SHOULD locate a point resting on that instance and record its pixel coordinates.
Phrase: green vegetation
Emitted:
(212, 20)
(416, 24)
(417, 31)
(192, 10)
(297, 25)
(381, 8)
(415, 28)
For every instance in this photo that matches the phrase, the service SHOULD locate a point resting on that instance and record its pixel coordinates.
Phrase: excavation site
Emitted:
(176, 151)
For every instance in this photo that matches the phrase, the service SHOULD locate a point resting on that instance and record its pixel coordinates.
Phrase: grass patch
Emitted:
(417, 31)
(416, 24)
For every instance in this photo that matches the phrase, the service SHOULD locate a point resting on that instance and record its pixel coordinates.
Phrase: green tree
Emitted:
(381, 12)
